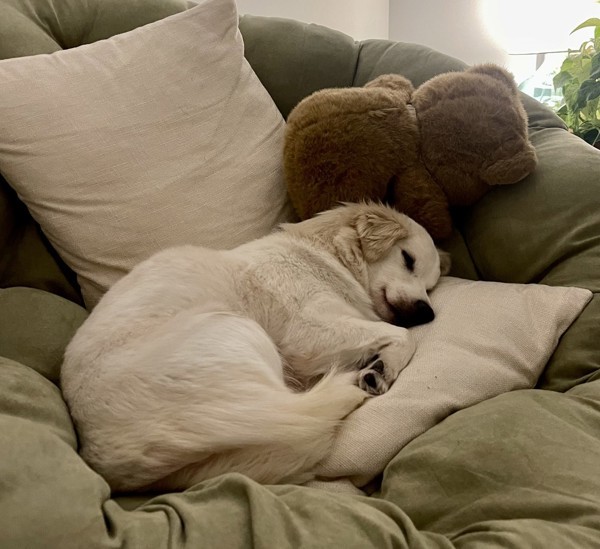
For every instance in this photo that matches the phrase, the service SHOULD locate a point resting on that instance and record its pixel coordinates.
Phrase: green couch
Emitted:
(519, 470)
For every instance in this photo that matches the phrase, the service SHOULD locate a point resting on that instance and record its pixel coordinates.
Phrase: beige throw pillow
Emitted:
(488, 338)
(153, 138)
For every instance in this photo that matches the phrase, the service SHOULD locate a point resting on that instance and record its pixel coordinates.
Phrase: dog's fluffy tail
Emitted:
(328, 401)
(317, 410)
(285, 438)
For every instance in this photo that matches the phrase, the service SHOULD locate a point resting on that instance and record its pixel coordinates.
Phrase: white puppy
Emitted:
(178, 373)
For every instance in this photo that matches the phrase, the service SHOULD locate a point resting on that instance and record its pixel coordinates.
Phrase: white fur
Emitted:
(179, 374)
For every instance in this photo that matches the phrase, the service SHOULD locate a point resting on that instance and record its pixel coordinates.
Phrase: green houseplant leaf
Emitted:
(579, 79)
(592, 22)
(589, 89)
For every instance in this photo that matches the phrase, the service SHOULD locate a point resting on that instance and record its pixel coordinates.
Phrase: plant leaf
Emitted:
(561, 79)
(593, 22)
(595, 71)
(589, 90)
(591, 136)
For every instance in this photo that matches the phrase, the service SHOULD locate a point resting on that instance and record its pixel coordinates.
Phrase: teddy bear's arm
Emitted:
(414, 193)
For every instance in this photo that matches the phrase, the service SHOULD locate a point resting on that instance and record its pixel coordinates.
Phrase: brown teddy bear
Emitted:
(420, 150)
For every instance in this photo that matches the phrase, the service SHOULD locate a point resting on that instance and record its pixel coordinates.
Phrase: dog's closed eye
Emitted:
(409, 260)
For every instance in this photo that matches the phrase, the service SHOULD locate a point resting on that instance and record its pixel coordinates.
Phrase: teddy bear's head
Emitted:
(473, 130)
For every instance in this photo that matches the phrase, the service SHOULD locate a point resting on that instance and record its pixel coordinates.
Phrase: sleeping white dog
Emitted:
(183, 370)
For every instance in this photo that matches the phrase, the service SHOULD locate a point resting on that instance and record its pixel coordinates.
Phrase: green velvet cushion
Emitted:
(26, 257)
(29, 27)
(482, 478)
(35, 328)
(519, 470)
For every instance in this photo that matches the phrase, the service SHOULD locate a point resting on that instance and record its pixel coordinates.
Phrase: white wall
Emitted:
(454, 27)
(479, 31)
(361, 19)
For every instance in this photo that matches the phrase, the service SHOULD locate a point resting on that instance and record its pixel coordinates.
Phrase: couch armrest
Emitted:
(546, 229)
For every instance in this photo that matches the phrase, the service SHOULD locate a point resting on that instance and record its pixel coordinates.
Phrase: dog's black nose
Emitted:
(419, 313)
(423, 312)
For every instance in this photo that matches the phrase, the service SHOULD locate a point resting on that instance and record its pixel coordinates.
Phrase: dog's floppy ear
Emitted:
(378, 229)
(445, 262)
(347, 247)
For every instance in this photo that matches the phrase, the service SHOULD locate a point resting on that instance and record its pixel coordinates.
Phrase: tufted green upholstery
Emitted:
(30, 27)
(520, 470)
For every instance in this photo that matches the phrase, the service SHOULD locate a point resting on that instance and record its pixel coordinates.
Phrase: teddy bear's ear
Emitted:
(393, 82)
(497, 72)
(378, 229)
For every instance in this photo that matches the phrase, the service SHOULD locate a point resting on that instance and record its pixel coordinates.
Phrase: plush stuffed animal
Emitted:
(420, 150)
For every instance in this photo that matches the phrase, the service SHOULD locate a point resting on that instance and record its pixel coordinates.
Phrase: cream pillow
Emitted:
(487, 338)
(153, 138)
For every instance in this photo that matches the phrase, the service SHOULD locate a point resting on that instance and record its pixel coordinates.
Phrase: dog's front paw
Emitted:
(371, 378)
(396, 355)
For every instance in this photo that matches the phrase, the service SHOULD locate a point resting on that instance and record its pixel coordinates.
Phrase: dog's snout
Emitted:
(420, 312)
